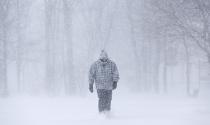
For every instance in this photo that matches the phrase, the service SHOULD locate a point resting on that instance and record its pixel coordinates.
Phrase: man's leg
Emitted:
(104, 102)
(108, 99)
(101, 100)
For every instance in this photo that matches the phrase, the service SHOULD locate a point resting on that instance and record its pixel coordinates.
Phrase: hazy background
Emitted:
(161, 48)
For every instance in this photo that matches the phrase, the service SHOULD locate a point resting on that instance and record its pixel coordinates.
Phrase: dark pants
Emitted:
(105, 98)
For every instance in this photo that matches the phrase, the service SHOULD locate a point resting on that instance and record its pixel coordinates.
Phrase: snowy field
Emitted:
(127, 109)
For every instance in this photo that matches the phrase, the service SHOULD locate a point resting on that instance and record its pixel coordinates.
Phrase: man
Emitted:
(105, 74)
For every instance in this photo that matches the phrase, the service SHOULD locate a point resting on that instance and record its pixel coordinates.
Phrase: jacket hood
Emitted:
(103, 55)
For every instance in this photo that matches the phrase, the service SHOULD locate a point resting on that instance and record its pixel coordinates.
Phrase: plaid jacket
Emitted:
(103, 74)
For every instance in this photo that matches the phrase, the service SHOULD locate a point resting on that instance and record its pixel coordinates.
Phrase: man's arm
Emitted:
(91, 77)
(115, 73)
(115, 76)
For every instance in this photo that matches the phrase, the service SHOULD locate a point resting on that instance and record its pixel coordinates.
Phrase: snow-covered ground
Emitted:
(127, 109)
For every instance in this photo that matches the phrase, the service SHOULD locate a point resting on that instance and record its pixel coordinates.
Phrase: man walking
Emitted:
(105, 74)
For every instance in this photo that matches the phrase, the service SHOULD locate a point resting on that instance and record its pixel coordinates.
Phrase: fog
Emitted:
(161, 49)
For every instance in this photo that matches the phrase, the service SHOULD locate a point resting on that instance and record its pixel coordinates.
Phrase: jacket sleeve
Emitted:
(92, 74)
(115, 73)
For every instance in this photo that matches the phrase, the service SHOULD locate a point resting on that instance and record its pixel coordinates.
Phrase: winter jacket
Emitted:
(103, 74)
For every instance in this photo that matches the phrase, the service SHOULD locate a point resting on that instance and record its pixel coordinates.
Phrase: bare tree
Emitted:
(190, 16)
(146, 43)
(22, 7)
(70, 86)
(51, 17)
(129, 6)
(4, 27)
(189, 20)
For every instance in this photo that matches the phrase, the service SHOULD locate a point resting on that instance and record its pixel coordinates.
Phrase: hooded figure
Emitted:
(105, 74)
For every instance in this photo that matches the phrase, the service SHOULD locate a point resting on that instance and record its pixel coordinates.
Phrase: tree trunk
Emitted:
(69, 83)
(50, 34)
(187, 67)
(4, 63)
(19, 49)
(140, 84)
(165, 69)
(156, 66)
